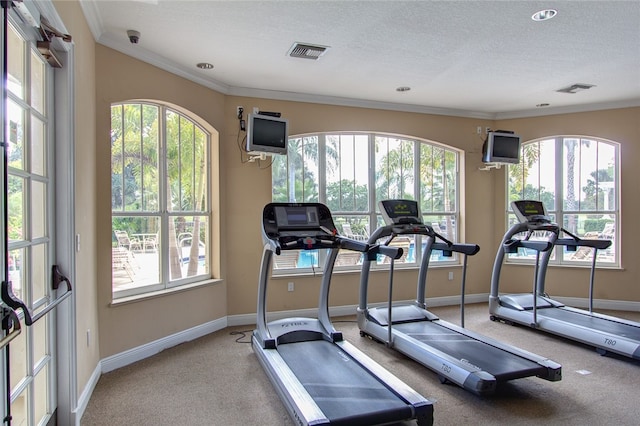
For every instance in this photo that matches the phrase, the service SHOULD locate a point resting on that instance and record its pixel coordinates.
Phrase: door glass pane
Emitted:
(37, 82)
(40, 386)
(16, 136)
(16, 208)
(19, 409)
(15, 63)
(38, 152)
(40, 272)
(18, 357)
(39, 329)
(38, 209)
(16, 272)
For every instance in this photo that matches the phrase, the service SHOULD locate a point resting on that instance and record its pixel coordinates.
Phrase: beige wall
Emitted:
(250, 189)
(85, 287)
(246, 188)
(126, 326)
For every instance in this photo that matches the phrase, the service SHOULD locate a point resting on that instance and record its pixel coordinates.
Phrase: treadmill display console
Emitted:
(395, 212)
(297, 216)
(530, 211)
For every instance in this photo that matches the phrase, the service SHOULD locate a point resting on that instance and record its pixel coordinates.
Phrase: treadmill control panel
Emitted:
(299, 225)
(528, 211)
(398, 212)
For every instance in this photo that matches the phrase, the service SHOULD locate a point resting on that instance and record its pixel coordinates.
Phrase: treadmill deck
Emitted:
(338, 386)
(501, 364)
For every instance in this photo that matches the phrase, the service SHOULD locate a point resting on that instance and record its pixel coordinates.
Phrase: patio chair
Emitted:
(124, 241)
(347, 232)
(288, 259)
(151, 242)
(404, 243)
(121, 260)
(348, 258)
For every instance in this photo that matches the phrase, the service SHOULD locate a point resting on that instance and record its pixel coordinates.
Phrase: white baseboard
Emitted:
(616, 305)
(85, 396)
(337, 311)
(141, 352)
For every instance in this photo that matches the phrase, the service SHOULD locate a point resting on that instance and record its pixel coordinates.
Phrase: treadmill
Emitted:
(321, 378)
(470, 360)
(605, 333)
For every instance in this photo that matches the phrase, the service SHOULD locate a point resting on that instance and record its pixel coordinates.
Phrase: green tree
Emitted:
(395, 169)
(594, 193)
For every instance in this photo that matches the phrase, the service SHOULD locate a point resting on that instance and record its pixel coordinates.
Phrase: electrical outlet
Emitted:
(290, 286)
(450, 276)
(487, 130)
(479, 130)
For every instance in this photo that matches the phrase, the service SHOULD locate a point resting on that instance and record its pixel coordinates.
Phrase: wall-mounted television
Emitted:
(267, 134)
(501, 147)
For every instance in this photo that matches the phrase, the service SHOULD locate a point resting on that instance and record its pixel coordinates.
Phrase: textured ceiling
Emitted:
(470, 58)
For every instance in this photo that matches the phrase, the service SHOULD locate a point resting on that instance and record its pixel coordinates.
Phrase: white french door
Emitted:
(31, 356)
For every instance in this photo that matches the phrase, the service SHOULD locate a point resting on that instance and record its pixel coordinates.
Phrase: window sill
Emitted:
(567, 265)
(166, 292)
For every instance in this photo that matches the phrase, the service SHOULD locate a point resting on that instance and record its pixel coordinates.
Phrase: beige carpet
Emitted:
(217, 381)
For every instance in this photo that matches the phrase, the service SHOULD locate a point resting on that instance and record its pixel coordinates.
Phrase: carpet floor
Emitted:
(217, 380)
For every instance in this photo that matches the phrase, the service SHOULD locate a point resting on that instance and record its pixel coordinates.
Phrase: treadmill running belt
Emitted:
(501, 364)
(594, 323)
(345, 392)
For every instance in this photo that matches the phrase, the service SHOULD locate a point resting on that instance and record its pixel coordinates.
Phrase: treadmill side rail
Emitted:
(295, 397)
(423, 408)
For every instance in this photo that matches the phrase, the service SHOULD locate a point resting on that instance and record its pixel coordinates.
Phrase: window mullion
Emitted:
(322, 168)
(371, 180)
(141, 157)
(162, 196)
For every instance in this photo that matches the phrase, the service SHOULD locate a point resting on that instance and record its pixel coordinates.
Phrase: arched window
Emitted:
(577, 179)
(351, 171)
(160, 198)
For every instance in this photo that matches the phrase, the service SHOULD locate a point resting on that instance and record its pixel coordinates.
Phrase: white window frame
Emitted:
(559, 212)
(372, 214)
(163, 214)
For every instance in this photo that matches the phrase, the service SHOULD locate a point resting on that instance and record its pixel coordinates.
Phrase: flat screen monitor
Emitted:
(501, 147)
(267, 134)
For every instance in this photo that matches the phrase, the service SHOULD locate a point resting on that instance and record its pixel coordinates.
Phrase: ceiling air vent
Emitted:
(575, 88)
(307, 51)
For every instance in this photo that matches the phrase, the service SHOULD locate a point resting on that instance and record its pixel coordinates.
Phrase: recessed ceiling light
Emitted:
(205, 66)
(544, 15)
(403, 89)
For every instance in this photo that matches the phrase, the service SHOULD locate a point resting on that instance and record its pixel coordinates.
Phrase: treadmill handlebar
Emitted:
(349, 244)
(402, 229)
(511, 246)
(389, 251)
(468, 249)
(579, 242)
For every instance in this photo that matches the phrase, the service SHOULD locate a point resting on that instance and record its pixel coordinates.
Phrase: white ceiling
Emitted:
(469, 58)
